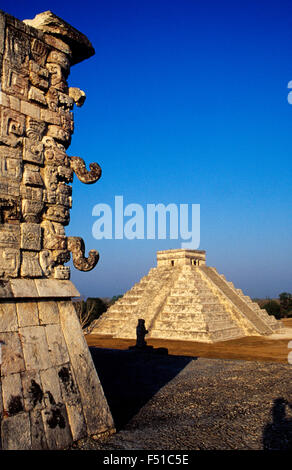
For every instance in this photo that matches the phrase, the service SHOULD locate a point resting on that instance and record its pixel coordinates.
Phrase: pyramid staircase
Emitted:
(185, 300)
(141, 301)
(269, 320)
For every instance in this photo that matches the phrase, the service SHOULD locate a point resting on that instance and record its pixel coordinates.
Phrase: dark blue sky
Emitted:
(186, 103)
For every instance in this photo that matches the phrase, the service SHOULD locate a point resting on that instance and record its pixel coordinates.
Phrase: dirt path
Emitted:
(183, 399)
(171, 402)
(250, 349)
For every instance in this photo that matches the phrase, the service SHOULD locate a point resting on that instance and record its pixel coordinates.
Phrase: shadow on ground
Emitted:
(277, 435)
(130, 379)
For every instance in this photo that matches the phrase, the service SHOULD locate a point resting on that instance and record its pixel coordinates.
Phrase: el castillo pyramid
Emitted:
(183, 299)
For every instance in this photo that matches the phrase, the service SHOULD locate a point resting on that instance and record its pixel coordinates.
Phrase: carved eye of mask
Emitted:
(18, 49)
(37, 149)
(63, 135)
(53, 68)
(49, 154)
(58, 133)
(55, 71)
(15, 128)
(60, 59)
(48, 142)
(60, 146)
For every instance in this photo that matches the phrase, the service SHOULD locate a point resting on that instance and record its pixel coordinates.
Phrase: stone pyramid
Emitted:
(183, 299)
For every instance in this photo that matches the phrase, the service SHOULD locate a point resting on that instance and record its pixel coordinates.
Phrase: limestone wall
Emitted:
(50, 394)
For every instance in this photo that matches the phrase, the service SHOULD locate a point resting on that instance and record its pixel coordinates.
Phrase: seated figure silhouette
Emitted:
(141, 344)
(277, 435)
(141, 332)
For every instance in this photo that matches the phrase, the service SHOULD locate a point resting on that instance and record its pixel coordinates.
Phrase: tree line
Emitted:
(280, 308)
(91, 309)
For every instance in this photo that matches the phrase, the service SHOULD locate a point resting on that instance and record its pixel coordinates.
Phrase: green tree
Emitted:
(273, 308)
(285, 303)
(115, 298)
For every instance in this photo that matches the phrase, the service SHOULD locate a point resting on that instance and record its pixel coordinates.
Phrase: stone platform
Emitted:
(50, 392)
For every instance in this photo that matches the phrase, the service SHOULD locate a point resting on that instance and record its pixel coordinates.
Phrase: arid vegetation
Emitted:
(280, 308)
(91, 309)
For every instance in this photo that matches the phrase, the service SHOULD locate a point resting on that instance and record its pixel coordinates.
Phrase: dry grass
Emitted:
(253, 348)
(287, 322)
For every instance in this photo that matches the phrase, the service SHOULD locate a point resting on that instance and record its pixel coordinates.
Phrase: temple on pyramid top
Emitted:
(181, 257)
(183, 299)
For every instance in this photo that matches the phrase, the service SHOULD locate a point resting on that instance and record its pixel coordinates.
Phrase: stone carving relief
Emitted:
(36, 125)
(79, 168)
(77, 248)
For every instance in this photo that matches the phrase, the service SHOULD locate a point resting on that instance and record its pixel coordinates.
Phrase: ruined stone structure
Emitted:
(50, 394)
(183, 299)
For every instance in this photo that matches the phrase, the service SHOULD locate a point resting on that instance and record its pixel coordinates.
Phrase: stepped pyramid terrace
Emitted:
(183, 299)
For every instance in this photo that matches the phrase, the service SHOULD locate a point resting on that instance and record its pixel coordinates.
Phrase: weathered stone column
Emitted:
(50, 394)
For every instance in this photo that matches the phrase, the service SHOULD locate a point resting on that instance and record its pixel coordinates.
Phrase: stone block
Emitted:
(51, 386)
(37, 95)
(57, 429)
(31, 209)
(8, 318)
(33, 151)
(17, 48)
(62, 272)
(57, 44)
(32, 176)
(56, 343)
(5, 290)
(76, 421)
(50, 117)
(38, 437)
(32, 194)
(10, 162)
(12, 355)
(9, 262)
(39, 51)
(27, 313)
(56, 288)
(23, 288)
(30, 109)
(30, 265)
(12, 394)
(14, 82)
(14, 103)
(9, 236)
(9, 101)
(33, 394)
(48, 312)
(15, 432)
(4, 99)
(95, 408)
(35, 347)
(31, 237)
(39, 78)
(69, 389)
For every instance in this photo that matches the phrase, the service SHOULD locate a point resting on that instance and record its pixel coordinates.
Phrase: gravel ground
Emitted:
(162, 402)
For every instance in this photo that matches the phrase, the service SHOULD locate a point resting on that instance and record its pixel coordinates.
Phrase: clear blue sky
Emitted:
(186, 103)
